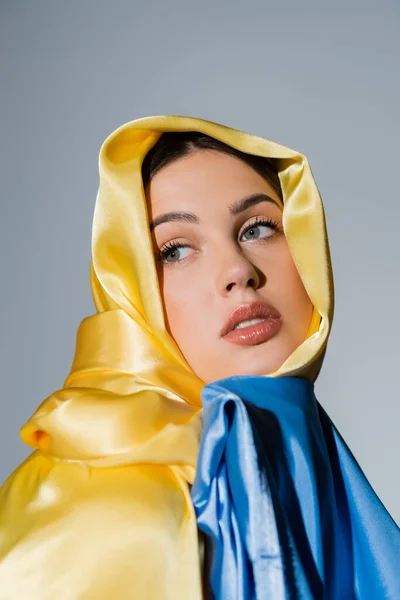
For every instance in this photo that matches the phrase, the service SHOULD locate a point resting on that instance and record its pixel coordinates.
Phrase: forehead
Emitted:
(204, 180)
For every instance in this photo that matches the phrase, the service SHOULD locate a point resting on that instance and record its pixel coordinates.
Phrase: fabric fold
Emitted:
(286, 510)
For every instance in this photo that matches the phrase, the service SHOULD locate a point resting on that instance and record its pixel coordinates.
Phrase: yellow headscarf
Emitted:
(101, 509)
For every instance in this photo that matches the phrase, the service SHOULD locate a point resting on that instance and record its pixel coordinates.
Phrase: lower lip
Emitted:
(254, 334)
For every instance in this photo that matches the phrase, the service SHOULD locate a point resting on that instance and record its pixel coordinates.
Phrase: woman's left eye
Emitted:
(259, 230)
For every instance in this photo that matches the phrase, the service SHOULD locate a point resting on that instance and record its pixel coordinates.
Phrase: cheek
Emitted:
(182, 304)
(294, 298)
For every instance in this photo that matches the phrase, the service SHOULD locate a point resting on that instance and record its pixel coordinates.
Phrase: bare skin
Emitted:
(223, 263)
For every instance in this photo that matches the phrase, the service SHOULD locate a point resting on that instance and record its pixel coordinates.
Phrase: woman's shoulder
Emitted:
(72, 531)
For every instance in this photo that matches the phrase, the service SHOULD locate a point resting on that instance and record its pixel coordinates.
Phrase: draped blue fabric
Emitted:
(286, 510)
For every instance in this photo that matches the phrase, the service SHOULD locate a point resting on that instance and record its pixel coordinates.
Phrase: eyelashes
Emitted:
(169, 249)
(262, 222)
(170, 253)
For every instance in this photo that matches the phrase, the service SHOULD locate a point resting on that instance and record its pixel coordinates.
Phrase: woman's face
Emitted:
(220, 247)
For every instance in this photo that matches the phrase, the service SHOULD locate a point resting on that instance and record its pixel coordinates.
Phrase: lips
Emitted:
(247, 312)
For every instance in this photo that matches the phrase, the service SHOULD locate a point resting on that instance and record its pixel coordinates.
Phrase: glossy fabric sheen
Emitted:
(102, 509)
(286, 509)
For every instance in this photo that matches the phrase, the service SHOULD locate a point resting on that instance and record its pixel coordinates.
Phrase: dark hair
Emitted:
(175, 144)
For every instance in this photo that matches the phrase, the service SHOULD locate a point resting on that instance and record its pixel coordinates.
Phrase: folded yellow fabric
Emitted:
(101, 509)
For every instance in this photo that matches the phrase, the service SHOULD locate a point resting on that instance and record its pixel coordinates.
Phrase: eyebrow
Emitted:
(234, 209)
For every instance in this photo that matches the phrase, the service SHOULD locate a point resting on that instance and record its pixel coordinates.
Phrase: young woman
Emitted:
(186, 455)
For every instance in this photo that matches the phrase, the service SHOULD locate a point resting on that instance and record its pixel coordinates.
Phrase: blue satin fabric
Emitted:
(286, 510)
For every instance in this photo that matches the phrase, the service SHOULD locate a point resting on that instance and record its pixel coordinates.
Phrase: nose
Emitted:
(236, 271)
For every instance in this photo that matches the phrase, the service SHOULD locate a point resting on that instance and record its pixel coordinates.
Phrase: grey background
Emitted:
(322, 78)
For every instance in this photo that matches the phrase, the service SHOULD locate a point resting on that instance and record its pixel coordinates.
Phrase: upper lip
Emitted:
(245, 312)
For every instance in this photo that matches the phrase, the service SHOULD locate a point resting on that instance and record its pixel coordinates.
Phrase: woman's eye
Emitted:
(255, 231)
(175, 254)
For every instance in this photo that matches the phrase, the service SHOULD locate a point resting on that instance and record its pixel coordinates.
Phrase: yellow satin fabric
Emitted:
(101, 509)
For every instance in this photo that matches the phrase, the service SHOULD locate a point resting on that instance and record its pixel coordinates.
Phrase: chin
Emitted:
(251, 368)
(264, 359)
(261, 359)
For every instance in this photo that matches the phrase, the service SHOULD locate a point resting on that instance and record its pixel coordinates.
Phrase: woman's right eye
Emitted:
(174, 253)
